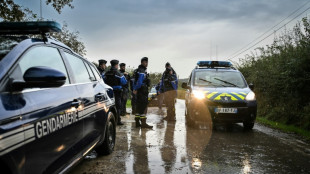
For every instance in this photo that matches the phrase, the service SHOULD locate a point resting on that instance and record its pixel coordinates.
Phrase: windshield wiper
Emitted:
(205, 80)
(210, 82)
(227, 82)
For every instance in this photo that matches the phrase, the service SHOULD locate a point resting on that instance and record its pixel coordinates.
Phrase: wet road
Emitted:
(172, 147)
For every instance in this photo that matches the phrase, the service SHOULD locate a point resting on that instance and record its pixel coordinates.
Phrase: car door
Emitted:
(12, 130)
(92, 96)
(49, 112)
(99, 119)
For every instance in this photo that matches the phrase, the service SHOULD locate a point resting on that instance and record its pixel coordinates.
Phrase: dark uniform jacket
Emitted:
(168, 81)
(142, 82)
(115, 79)
(127, 77)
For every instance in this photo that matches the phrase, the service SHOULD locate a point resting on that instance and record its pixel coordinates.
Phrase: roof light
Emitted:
(214, 64)
(29, 27)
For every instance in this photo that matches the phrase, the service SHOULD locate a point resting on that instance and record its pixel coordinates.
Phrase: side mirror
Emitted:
(184, 85)
(251, 86)
(40, 77)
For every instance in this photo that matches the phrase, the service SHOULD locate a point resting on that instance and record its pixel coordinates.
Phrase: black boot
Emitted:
(137, 119)
(144, 124)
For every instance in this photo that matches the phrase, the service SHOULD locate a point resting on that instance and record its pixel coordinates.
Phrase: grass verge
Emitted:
(284, 127)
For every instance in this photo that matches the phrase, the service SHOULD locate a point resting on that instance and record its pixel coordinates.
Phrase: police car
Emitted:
(218, 91)
(54, 105)
(152, 97)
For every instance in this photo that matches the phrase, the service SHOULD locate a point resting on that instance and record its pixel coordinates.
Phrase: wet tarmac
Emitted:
(173, 147)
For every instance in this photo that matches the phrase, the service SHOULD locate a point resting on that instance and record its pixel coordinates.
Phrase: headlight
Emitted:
(198, 94)
(250, 96)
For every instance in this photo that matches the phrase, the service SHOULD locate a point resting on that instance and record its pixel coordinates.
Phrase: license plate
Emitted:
(226, 110)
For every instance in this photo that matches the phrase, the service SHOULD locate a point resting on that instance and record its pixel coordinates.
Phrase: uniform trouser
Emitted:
(141, 104)
(160, 98)
(118, 103)
(170, 103)
(133, 102)
(124, 101)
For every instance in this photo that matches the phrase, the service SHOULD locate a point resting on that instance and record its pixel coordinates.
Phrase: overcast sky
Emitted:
(178, 31)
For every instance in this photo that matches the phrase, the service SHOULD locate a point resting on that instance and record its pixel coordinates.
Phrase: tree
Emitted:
(71, 39)
(59, 4)
(10, 11)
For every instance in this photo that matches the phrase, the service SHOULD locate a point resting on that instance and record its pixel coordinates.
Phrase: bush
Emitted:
(281, 74)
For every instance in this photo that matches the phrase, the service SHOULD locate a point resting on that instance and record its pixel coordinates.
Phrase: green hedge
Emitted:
(281, 75)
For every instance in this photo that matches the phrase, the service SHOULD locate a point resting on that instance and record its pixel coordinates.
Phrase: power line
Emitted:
(272, 33)
(235, 54)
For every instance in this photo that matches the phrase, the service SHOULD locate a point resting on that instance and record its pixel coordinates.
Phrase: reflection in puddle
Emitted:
(91, 155)
(196, 163)
(246, 165)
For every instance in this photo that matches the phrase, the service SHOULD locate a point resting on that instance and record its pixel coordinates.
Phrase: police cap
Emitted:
(102, 61)
(144, 59)
(122, 64)
(114, 62)
(167, 64)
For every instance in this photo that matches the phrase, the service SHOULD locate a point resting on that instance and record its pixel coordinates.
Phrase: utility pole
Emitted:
(41, 10)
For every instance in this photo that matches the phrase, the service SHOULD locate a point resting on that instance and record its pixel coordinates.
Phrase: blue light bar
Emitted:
(214, 64)
(29, 27)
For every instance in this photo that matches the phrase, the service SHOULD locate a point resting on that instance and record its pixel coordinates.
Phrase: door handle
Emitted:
(76, 103)
(100, 96)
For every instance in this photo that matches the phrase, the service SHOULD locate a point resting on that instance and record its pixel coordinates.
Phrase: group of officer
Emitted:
(120, 81)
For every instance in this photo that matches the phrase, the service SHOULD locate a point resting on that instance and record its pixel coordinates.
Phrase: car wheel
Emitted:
(189, 121)
(108, 144)
(248, 125)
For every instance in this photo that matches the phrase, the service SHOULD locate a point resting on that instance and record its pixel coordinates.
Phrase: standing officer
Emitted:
(102, 66)
(125, 88)
(141, 84)
(116, 80)
(169, 86)
(133, 96)
(160, 96)
(168, 65)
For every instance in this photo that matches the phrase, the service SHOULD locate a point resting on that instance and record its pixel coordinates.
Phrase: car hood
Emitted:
(225, 94)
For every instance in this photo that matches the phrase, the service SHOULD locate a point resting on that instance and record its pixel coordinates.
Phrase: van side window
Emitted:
(78, 67)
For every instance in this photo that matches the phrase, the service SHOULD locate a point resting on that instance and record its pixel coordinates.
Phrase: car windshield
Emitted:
(7, 44)
(153, 90)
(219, 79)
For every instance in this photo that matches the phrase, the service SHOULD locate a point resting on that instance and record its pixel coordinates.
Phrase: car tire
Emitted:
(108, 144)
(189, 121)
(248, 125)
